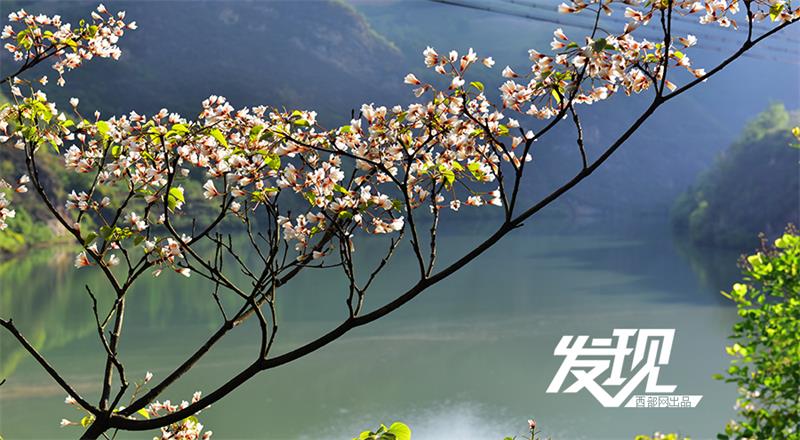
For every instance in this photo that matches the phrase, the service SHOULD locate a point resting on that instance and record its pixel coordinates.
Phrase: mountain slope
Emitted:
(752, 187)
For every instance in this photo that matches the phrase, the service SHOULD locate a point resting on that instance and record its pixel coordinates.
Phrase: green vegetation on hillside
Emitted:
(322, 56)
(766, 353)
(752, 187)
(30, 225)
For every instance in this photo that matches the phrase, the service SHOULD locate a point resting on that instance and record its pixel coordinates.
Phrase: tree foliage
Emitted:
(395, 431)
(766, 350)
(751, 188)
(662, 436)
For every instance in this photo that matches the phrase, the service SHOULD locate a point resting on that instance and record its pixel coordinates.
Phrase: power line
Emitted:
(676, 18)
(556, 21)
(568, 22)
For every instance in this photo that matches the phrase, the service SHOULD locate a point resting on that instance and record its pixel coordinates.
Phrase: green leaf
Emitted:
(90, 237)
(43, 111)
(478, 85)
(447, 174)
(25, 41)
(143, 412)
(86, 421)
(423, 169)
(400, 430)
(475, 169)
(216, 134)
(274, 161)
(600, 45)
(175, 197)
(103, 128)
(775, 11)
(72, 44)
(22, 34)
(178, 130)
(30, 133)
(397, 205)
(255, 131)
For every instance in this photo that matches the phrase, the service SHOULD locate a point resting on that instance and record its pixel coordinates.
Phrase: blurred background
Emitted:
(649, 240)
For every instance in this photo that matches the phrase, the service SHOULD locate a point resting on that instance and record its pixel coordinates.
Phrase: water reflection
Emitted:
(37, 292)
(46, 297)
(470, 358)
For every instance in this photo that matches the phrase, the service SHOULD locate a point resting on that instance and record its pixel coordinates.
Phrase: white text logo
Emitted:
(606, 360)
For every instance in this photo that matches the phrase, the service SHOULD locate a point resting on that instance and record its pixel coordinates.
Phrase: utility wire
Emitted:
(534, 17)
(569, 22)
(676, 18)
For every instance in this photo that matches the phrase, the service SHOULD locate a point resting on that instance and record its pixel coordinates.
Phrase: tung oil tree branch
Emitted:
(419, 287)
(8, 324)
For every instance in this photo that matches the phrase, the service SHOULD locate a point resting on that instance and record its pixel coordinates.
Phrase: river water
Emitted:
(469, 359)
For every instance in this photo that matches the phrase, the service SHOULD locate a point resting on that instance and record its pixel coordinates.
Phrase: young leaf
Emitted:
(400, 430)
(103, 128)
(216, 134)
(86, 421)
(175, 197)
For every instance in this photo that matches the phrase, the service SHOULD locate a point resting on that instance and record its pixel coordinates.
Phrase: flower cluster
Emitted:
(5, 212)
(37, 37)
(435, 154)
(447, 151)
(186, 429)
(189, 428)
(592, 70)
(595, 68)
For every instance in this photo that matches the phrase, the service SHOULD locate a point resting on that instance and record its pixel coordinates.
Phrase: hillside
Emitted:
(658, 162)
(330, 57)
(320, 55)
(752, 187)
